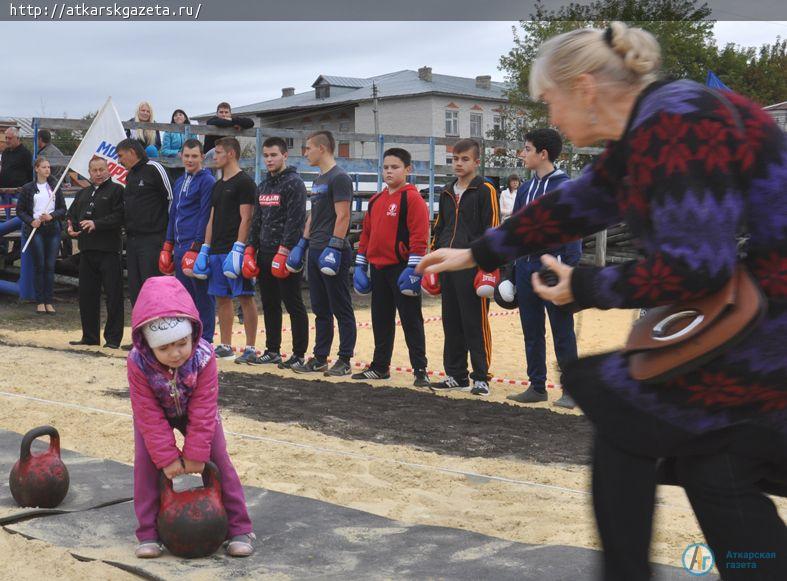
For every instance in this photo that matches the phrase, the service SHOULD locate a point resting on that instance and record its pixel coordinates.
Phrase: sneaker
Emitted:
(421, 378)
(313, 365)
(530, 395)
(248, 357)
(111, 346)
(451, 383)
(565, 401)
(149, 550)
(293, 360)
(269, 357)
(341, 367)
(224, 352)
(370, 373)
(480, 388)
(81, 342)
(241, 545)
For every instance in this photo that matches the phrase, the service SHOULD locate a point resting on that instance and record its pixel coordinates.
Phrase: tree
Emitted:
(760, 74)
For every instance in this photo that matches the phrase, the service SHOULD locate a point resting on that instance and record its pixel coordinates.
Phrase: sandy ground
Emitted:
(521, 501)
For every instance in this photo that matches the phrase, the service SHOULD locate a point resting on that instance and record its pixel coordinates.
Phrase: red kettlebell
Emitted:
(193, 523)
(39, 480)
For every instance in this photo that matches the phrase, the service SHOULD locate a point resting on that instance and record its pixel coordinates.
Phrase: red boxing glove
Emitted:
(486, 282)
(250, 268)
(166, 262)
(187, 264)
(431, 284)
(279, 263)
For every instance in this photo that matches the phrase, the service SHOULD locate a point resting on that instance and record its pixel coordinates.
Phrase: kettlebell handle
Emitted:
(210, 479)
(29, 437)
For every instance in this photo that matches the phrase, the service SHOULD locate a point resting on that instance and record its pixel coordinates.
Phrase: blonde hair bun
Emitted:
(638, 48)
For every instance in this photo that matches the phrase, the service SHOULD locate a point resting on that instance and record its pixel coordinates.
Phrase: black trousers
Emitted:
(386, 301)
(465, 326)
(142, 253)
(274, 291)
(734, 514)
(99, 269)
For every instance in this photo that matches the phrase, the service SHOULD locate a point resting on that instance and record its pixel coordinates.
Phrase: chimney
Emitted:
(288, 91)
(483, 82)
(425, 74)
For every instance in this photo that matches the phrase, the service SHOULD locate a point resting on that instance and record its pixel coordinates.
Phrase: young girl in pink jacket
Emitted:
(173, 384)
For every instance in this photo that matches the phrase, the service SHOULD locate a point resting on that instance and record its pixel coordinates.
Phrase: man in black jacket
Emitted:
(146, 198)
(279, 218)
(225, 119)
(95, 219)
(17, 167)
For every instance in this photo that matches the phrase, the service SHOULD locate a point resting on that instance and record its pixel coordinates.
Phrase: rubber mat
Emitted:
(301, 538)
(93, 482)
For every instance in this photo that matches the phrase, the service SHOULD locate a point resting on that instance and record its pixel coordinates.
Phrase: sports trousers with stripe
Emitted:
(465, 326)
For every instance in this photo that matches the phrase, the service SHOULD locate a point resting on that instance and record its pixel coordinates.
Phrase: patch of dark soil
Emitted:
(460, 427)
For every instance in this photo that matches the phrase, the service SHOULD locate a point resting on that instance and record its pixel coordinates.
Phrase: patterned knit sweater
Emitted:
(686, 173)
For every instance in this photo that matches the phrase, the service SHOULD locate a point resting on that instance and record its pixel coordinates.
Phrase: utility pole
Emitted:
(374, 112)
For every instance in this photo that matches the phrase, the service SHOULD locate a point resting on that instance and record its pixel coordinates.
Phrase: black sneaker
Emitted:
(341, 367)
(313, 365)
(370, 373)
(81, 342)
(267, 358)
(480, 388)
(421, 378)
(530, 395)
(451, 383)
(290, 362)
(111, 346)
(224, 352)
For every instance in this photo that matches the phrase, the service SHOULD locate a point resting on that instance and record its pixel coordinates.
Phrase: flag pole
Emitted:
(68, 165)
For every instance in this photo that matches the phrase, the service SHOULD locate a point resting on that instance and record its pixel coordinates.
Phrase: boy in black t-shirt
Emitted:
(224, 258)
(329, 259)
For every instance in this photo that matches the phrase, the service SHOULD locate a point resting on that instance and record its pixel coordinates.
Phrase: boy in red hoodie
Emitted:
(393, 241)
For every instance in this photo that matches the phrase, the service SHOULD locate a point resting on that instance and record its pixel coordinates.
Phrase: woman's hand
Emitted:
(174, 469)
(36, 223)
(193, 467)
(45, 217)
(446, 259)
(559, 294)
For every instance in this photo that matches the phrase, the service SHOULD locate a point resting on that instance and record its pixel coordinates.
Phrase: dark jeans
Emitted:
(732, 511)
(330, 297)
(198, 289)
(142, 251)
(274, 291)
(465, 326)
(387, 299)
(45, 246)
(531, 313)
(99, 269)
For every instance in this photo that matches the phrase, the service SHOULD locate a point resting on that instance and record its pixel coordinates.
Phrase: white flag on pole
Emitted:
(101, 140)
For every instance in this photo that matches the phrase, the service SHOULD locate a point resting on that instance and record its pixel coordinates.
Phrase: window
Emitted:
(449, 159)
(322, 91)
(344, 149)
(452, 122)
(344, 127)
(476, 125)
(498, 124)
(290, 142)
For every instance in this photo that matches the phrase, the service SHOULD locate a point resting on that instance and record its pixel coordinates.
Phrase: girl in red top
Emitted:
(393, 240)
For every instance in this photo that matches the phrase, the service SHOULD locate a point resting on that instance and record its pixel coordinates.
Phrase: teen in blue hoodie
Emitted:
(542, 147)
(188, 218)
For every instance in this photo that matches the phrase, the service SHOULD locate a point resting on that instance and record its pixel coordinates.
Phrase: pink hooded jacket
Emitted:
(196, 387)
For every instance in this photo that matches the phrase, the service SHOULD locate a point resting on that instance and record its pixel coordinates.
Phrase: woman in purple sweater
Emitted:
(684, 167)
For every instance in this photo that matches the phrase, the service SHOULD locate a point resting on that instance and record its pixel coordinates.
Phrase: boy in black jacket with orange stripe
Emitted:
(468, 206)
(393, 241)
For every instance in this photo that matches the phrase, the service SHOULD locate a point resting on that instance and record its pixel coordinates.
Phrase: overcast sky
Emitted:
(52, 69)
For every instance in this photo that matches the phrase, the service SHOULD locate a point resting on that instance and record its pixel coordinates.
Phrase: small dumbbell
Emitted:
(548, 276)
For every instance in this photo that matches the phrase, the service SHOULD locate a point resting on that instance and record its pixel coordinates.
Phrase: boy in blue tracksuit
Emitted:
(542, 147)
(188, 218)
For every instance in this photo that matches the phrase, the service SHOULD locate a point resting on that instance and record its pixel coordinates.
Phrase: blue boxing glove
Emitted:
(331, 257)
(297, 256)
(410, 281)
(361, 282)
(201, 268)
(234, 261)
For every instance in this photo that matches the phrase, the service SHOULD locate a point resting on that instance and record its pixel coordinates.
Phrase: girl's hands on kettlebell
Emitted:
(193, 467)
(174, 469)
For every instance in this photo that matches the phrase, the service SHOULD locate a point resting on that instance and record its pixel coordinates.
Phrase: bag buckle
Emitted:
(659, 332)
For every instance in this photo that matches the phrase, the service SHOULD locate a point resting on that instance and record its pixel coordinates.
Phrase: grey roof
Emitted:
(351, 82)
(777, 107)
(25, 125)
(398, 84)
